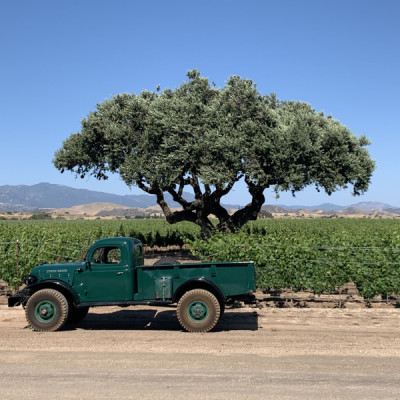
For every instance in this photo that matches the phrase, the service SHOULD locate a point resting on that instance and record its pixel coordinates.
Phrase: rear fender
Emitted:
(199, 283)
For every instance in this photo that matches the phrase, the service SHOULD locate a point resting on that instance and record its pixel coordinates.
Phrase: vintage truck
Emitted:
(113, 273)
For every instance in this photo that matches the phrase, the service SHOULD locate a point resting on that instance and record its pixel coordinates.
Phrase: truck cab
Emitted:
(108, 274)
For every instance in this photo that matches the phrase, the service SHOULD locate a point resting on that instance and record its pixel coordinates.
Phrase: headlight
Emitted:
(30, 279)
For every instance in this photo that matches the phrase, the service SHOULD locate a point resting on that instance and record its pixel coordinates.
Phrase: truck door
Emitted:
(105, 278)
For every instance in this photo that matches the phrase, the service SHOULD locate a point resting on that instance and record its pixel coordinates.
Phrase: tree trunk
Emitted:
(251, 210)
(199, 211)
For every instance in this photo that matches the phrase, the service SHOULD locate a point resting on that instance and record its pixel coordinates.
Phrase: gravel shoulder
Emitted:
(267, 353)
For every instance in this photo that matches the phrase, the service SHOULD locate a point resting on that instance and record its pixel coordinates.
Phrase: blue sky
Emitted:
(60, 58)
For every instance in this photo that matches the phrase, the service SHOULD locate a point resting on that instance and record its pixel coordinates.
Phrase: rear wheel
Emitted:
(198, 311)
(47, 310)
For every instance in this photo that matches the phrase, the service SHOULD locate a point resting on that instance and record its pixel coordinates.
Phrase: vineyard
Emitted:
(316, 255)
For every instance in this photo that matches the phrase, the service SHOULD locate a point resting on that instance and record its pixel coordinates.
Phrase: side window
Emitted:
(106, 255)
(139, 255)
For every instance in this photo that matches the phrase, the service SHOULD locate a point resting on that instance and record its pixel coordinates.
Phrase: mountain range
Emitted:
(364, 206)
(46, 195)
(52, 196)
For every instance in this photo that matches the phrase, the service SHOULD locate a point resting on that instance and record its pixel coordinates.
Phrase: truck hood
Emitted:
(63, 272)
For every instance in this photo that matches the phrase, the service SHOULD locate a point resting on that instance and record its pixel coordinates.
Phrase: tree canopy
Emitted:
(206, 139)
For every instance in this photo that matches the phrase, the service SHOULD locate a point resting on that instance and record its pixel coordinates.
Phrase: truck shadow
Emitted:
(160, 320)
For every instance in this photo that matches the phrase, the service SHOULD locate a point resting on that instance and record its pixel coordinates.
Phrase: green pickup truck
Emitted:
(113, 274)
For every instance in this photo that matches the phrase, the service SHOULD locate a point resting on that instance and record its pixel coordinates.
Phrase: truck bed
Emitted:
(232, 278)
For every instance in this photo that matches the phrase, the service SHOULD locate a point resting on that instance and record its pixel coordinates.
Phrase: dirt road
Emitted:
(141, 353)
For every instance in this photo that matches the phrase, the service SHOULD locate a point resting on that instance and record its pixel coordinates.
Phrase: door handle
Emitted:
(119, 273)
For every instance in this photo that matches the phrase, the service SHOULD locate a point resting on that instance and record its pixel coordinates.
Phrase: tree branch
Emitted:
(218, 193)
(150, 190)
(251, 210)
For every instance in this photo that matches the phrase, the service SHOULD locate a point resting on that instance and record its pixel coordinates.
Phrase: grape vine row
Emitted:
(316, 255)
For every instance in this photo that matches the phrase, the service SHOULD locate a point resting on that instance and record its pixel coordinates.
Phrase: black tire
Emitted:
(222, 309)
(166, 261)
(76, 314)
(47, 310)
(198, 311)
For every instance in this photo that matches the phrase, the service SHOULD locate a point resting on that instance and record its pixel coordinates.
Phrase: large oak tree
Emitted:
(208, 139)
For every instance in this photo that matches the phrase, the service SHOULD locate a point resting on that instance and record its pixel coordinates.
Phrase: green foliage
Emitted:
(317, 255)
(206, 139)
(40, 216)
(264, 214)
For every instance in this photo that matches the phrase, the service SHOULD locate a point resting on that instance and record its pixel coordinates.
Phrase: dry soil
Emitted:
(267, 353)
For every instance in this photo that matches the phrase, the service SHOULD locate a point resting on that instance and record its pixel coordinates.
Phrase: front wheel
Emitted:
(198, 311)
(47, 310)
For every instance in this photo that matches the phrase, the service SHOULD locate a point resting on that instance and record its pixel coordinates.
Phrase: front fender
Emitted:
(22, 296)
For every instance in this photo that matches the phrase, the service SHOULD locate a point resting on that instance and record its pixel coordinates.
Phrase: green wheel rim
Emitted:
(45, 311)
(198, 311)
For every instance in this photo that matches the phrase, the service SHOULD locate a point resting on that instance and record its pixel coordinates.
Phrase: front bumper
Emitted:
(18, 298)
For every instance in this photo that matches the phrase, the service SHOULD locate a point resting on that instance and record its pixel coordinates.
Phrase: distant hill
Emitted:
(364, 206)
(52, 196)
(47, 195)
(324, 206)
(107, 210)
(100, 209)
(352, 211)
(274, 209)
(371, 205)
(392, 210)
